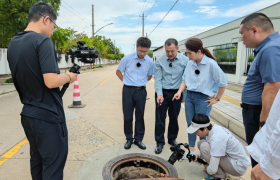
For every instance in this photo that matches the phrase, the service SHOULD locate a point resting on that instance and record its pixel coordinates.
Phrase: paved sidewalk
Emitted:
(7, 88)
(230, 104)
(228, 111)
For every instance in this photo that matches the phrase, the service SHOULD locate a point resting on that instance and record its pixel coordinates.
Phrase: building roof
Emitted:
(158, 48)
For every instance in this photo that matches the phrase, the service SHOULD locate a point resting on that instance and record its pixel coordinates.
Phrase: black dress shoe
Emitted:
(140, 144)
(158, 149)
(128, 144)
(172, 143)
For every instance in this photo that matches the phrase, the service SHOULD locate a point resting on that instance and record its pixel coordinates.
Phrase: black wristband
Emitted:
(261, 124)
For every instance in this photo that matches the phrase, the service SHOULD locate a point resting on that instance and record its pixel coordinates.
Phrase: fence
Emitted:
(62, 62)
(248, 60)
(228, 67)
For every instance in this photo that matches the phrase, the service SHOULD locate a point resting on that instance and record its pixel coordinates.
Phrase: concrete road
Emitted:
(94, 129)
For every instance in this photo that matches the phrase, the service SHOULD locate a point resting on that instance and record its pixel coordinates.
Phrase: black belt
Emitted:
(171, 89)
(251, 107)
(136, 87)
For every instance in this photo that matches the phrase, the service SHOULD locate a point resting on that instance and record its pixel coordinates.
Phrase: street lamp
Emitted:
(102, 28)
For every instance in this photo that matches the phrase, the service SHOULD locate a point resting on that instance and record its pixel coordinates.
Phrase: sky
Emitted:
(187, 18)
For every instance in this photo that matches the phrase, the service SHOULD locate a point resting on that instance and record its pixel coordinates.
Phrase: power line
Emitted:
(76, 11)
(152, 7)
(75, 14)
(163, 18)
(146, 5)
(142, 8)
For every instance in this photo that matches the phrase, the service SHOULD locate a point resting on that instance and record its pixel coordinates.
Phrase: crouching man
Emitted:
(221, 150)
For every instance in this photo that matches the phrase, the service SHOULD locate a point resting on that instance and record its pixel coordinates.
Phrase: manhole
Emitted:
(139, 166)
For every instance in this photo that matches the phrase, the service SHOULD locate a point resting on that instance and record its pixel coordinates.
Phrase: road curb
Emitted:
(2, 92)
(232, 124)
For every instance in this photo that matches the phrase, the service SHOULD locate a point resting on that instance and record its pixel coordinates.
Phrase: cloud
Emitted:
(172, 16)
(158, 37)
(208, 10)
(125, 35)
(248, 8)
(202, 2)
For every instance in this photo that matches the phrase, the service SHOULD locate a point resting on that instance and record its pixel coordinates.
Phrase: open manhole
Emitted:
(139, 166)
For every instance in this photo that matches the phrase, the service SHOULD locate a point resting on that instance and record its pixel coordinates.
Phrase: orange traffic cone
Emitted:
(77, 103)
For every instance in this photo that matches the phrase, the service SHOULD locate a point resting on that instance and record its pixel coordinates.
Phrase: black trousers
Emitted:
(48, 148)
(134, 99)
(251, 119)
(173, 108)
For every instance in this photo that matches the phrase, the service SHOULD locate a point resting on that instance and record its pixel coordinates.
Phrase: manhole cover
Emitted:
(139, 166)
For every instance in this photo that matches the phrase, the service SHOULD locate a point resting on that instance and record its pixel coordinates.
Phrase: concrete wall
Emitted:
(4, 65)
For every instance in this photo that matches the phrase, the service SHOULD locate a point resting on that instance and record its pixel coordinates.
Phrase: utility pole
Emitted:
(92, 21)
(143, 20)
(146, 34)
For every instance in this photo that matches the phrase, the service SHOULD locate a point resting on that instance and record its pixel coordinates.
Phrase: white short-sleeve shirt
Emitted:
(223, 143)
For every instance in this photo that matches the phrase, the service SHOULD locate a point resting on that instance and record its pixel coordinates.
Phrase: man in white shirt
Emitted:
(265, 148)
(221, 150)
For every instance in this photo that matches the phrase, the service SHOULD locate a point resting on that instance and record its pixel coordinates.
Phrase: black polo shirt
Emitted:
(30, 55)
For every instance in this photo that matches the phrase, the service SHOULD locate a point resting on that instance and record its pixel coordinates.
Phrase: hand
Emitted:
(182, 101)
(72, 75)
(177, 96)
(258, 174)
(160, 99)
(211, 101)
(196, 156)
(205, 166)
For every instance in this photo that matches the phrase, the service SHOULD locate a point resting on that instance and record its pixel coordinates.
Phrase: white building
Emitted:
(225, 40)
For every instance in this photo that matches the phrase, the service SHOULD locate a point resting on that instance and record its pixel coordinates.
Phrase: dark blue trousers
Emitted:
(173, 108)
(48, 148)
(251, 119)
(134, 99)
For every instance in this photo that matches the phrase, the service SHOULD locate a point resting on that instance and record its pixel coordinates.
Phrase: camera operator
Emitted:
(221, 150)
(33, 64)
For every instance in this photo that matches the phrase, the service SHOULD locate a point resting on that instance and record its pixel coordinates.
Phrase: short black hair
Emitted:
(170, 41)
(144, 42)
(41, 8)
(202, 119)
(259, 20)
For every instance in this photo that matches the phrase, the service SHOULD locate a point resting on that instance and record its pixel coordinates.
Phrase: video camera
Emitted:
(178, 154)
(83, 53)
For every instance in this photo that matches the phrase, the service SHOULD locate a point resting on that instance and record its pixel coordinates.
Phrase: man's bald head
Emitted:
(259, 20)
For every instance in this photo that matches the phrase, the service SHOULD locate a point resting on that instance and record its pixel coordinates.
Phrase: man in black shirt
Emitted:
(33, 63)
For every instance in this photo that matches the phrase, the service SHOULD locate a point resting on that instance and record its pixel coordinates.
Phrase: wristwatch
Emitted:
(261, 124)
(217, 99)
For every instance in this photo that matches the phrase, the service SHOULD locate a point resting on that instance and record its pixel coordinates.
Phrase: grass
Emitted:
(9, 80)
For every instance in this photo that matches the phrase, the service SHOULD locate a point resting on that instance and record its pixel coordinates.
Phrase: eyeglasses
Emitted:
(197, 71)
(170, 65)
(138, 65)
(142, 52)
(55, 26)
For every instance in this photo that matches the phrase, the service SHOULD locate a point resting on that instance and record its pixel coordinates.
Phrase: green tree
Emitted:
(60, 37)
(150, 53)
(14, 17)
